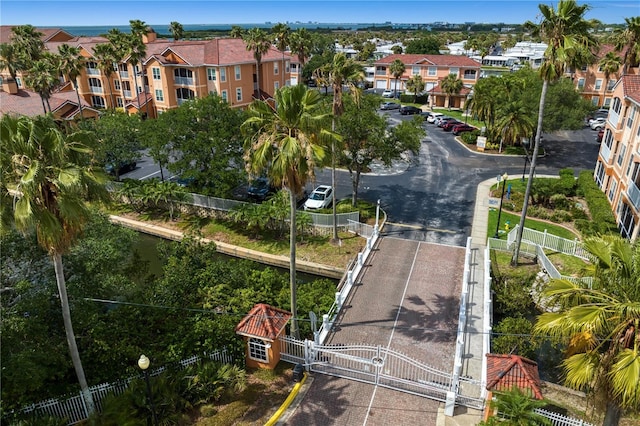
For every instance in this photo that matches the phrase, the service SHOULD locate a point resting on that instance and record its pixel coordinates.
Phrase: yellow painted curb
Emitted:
(294, 392)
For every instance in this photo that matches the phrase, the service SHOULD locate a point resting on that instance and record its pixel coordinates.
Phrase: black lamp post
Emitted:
(504, 178)
(143, 363)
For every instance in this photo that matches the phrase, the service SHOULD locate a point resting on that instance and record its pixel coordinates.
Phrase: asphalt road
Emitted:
(432, 198)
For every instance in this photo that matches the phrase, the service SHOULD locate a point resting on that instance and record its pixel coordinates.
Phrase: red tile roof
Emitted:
(29, 103)
(506, 371)
(436, 60)
(6, 34)
(263, 321)
(631, 87)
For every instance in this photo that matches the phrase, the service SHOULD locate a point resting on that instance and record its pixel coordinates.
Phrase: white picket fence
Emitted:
(73, 408)
(550, 242)
(558, 419)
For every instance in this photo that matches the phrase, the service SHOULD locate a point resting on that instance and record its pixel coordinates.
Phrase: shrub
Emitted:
(409, 98)
(560, 216)
(513, 292)
(470, 138)
(559, 201)
(602, 219)
(539, 212)
(578, 213)
(509, 337)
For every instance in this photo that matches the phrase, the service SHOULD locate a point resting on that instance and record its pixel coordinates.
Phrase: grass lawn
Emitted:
(514, 220)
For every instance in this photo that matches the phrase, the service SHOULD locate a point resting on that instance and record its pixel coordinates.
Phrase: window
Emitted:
(211, 74)
(159, 95)
(469, 74)
(223, 74)
(595, 100)
(415, 70)
(184, 93)
(116, 84)
(276, 86)
(454, 70)
(607, 102)
(617, 105)
(97, 101)
(156, 73)
(634, 112)
(258, 350)
(239, 94)
(612, 189)
(224, 96)
(119, 102)
(626, 222)
(276, 68)
(598, 85)
(237, 72)
(599, 174)
(580, 83)
(287, 66)
(610, 84)
(623, 151)
(432, 71)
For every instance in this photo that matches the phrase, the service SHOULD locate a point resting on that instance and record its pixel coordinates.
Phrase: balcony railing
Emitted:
(634, 195)
(127, 93)
(605, 153)
(94, 89)
(124, 74)
(93, 71)
(381, 72)
(182, 100)
(613, 118)
(185, 81)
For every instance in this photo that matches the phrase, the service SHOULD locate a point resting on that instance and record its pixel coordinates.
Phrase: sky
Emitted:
(161, 12)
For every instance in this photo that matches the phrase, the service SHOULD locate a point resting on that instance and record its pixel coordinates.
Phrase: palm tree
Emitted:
(515, 123)
(301, 44)
(565, 31)
(43, 78)
(9, 59)
(283, 142)
(610, 64)
(337, 73)
(53, 176)
(106, 56)
(601, 325)
(137, 51)
(257, 41)
(515, 408)
(236, 31)
(28, 44)
(71, 64)
(451, 85)
(396, 69)
(415, 85)
(628, 41)
(282, 34)
(176, 30)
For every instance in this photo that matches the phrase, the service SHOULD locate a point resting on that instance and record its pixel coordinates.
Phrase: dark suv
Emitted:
(260, 188)
(409, 110)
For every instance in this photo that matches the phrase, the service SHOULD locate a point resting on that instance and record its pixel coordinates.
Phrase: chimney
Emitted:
(10, 86)
(150, 36)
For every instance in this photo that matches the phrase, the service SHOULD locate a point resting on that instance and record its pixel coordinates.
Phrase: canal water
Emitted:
(147, 248)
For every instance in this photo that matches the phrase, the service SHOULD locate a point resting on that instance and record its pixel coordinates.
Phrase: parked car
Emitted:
(124, 167)
(390, 93)
(439, 121)
(389, 105)
(433, 116)
(600, 135)
(449, 124)
(409, 110)
(260, 188)
(597, 120)
(597, 125)
(463, 127)
(320, 198)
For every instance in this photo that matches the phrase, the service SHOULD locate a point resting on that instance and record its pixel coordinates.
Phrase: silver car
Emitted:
(389, 105)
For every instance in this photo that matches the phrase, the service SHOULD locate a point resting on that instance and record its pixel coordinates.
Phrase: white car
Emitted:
(390, 93)
(596, 121)
(433, 116)
(320, 198)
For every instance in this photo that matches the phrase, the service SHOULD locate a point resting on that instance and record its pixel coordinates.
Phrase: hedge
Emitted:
(602, 219)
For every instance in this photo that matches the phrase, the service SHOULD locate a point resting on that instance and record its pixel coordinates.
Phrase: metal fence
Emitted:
(551, 242)
(73, 408)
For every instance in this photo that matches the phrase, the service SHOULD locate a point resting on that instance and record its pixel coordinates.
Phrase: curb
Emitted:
(287, 402)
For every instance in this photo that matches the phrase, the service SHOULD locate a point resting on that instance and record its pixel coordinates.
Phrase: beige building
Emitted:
(617, 170)
(171, 72)
(593, 83)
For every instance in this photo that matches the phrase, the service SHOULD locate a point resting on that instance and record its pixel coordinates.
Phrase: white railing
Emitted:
(558, 419)
(73, 409)
(634, 195)
(487, 318)
(360, 228)
(605, 152)
(127, 93)
(94, 89)
(124, 74)
(185, 81)
(551, 242)
(93, 71)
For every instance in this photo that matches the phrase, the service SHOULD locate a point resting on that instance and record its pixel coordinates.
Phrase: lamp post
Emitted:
(504, 178)
(143, 363)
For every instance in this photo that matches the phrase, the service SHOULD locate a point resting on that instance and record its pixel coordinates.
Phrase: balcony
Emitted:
(94, 89)
(127, 94)
(605, 153)
(184, 81)
(124, 74)
(634, 195)
(613, 118)
(381, 72)
(93, 71)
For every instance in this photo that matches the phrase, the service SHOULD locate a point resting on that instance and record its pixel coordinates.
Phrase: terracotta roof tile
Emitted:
(263, 321)
(436, 60)
(631, 87)
(506, 371)
(28, 103)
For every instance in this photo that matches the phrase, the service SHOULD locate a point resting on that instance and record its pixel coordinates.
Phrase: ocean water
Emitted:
(164, 29)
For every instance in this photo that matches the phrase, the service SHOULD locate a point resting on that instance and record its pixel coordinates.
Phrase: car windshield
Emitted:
(317, 196)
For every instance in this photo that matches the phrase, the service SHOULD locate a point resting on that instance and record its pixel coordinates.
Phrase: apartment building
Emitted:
(172, 72)
(432, 69)
(617, 170)
(595, 85)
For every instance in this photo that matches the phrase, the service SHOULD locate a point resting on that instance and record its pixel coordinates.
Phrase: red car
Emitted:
(600, 135)
(463, 127)
(448, 126)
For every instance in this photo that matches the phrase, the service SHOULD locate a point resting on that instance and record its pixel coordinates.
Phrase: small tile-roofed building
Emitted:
(506, 371)
(261, 328)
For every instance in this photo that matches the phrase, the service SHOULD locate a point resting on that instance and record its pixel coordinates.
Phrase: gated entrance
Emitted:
(383, 367)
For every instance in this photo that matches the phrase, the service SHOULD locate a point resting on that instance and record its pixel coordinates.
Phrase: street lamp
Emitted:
(504, 178)
(143, 363)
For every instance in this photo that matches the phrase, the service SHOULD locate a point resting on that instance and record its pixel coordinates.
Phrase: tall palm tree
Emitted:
(337, 73)
(284, 143)
(176, 29)
(282, 34)
(27, 42)
(451, 85)
(301, 45)
(257, 41)
(236, 31)
(415, 85)
(396, 69)
(515, 123)
(71, 64)
(628, 41)
(43, 78)
(105, 54)
(565, 31)
(9, 59)
(137, 52)
(52, 176)
(601, 325)
(610, 64)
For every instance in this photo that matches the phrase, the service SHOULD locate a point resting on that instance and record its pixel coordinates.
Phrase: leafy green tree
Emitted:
(284, 143)
(514, 124)
(42, 77)
(71, 64)
(451, 85)
(428, 45)
(396, 49)
(565, 31)
(176, 29)
(510, 335)
(601, 326)
(366, 138)
(415, 85)
(258, 42)
(516, 408)
(28, 45)
(396, 69)
(53, 173)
